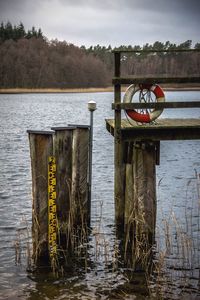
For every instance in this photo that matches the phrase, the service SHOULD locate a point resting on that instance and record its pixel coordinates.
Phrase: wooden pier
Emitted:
(60, 175)
(136, 152)
(163, 129)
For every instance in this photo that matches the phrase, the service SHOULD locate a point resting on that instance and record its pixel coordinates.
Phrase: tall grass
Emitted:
(23, 244)
(176, 264)
(171, 265)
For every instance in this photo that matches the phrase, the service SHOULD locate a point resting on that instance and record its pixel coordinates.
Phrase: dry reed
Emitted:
(170, 266)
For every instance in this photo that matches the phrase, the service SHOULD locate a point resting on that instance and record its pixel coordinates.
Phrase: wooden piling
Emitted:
(62, 145)
(144, 181)
(41, 148)
(59, 162)
(80, 206)
(141, 154)
(140, 203)
(129, 189)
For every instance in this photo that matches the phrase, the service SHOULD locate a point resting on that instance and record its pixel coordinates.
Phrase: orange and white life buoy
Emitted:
(146, 117)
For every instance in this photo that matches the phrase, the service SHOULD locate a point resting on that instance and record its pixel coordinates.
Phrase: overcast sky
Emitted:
(104, 22)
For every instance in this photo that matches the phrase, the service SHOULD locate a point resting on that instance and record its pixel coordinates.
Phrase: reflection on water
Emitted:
(177, 260)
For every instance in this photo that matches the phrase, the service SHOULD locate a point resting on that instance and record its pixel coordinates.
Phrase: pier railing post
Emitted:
(118, 155)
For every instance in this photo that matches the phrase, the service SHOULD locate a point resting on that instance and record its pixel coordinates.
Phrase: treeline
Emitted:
(10, 32)
(35, 62)
(29, 60)
(144, 63)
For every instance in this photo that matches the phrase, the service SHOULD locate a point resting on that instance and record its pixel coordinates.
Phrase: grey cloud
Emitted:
(108, 22)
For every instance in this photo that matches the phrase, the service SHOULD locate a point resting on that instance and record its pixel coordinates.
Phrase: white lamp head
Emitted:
(92, 105)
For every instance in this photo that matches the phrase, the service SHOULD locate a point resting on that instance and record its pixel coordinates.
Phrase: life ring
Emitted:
(148, 116)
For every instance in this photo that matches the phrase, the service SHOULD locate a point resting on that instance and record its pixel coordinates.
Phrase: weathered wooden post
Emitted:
(61, 208)
(71, 150)
(79, 192)
(119, 165)
(140, 202)
(41, 148)
(62, 147)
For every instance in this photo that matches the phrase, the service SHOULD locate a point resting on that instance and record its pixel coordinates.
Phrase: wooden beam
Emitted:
(154, 51)
(155, 105)
(154, 80)
(119, 165)
(164, 134)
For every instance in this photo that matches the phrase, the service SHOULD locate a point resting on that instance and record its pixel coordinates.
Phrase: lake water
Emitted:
(178, 224)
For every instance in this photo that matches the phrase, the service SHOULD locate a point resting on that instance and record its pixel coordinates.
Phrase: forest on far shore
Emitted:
(30, 60)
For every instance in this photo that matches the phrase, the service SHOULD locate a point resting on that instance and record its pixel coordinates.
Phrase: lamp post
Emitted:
(91, 107)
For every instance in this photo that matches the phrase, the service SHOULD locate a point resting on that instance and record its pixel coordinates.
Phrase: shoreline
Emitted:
(85, 90)
(54, 90)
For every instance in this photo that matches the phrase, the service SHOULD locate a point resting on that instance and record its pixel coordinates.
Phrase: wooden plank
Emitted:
(40, 132)
(79, 126)
(155, 105)
(154, 80)
(154, 50)
(165, 134)
(160, 123)
(163, 129)
(62, 144)
(63, 128)
(41, 148)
